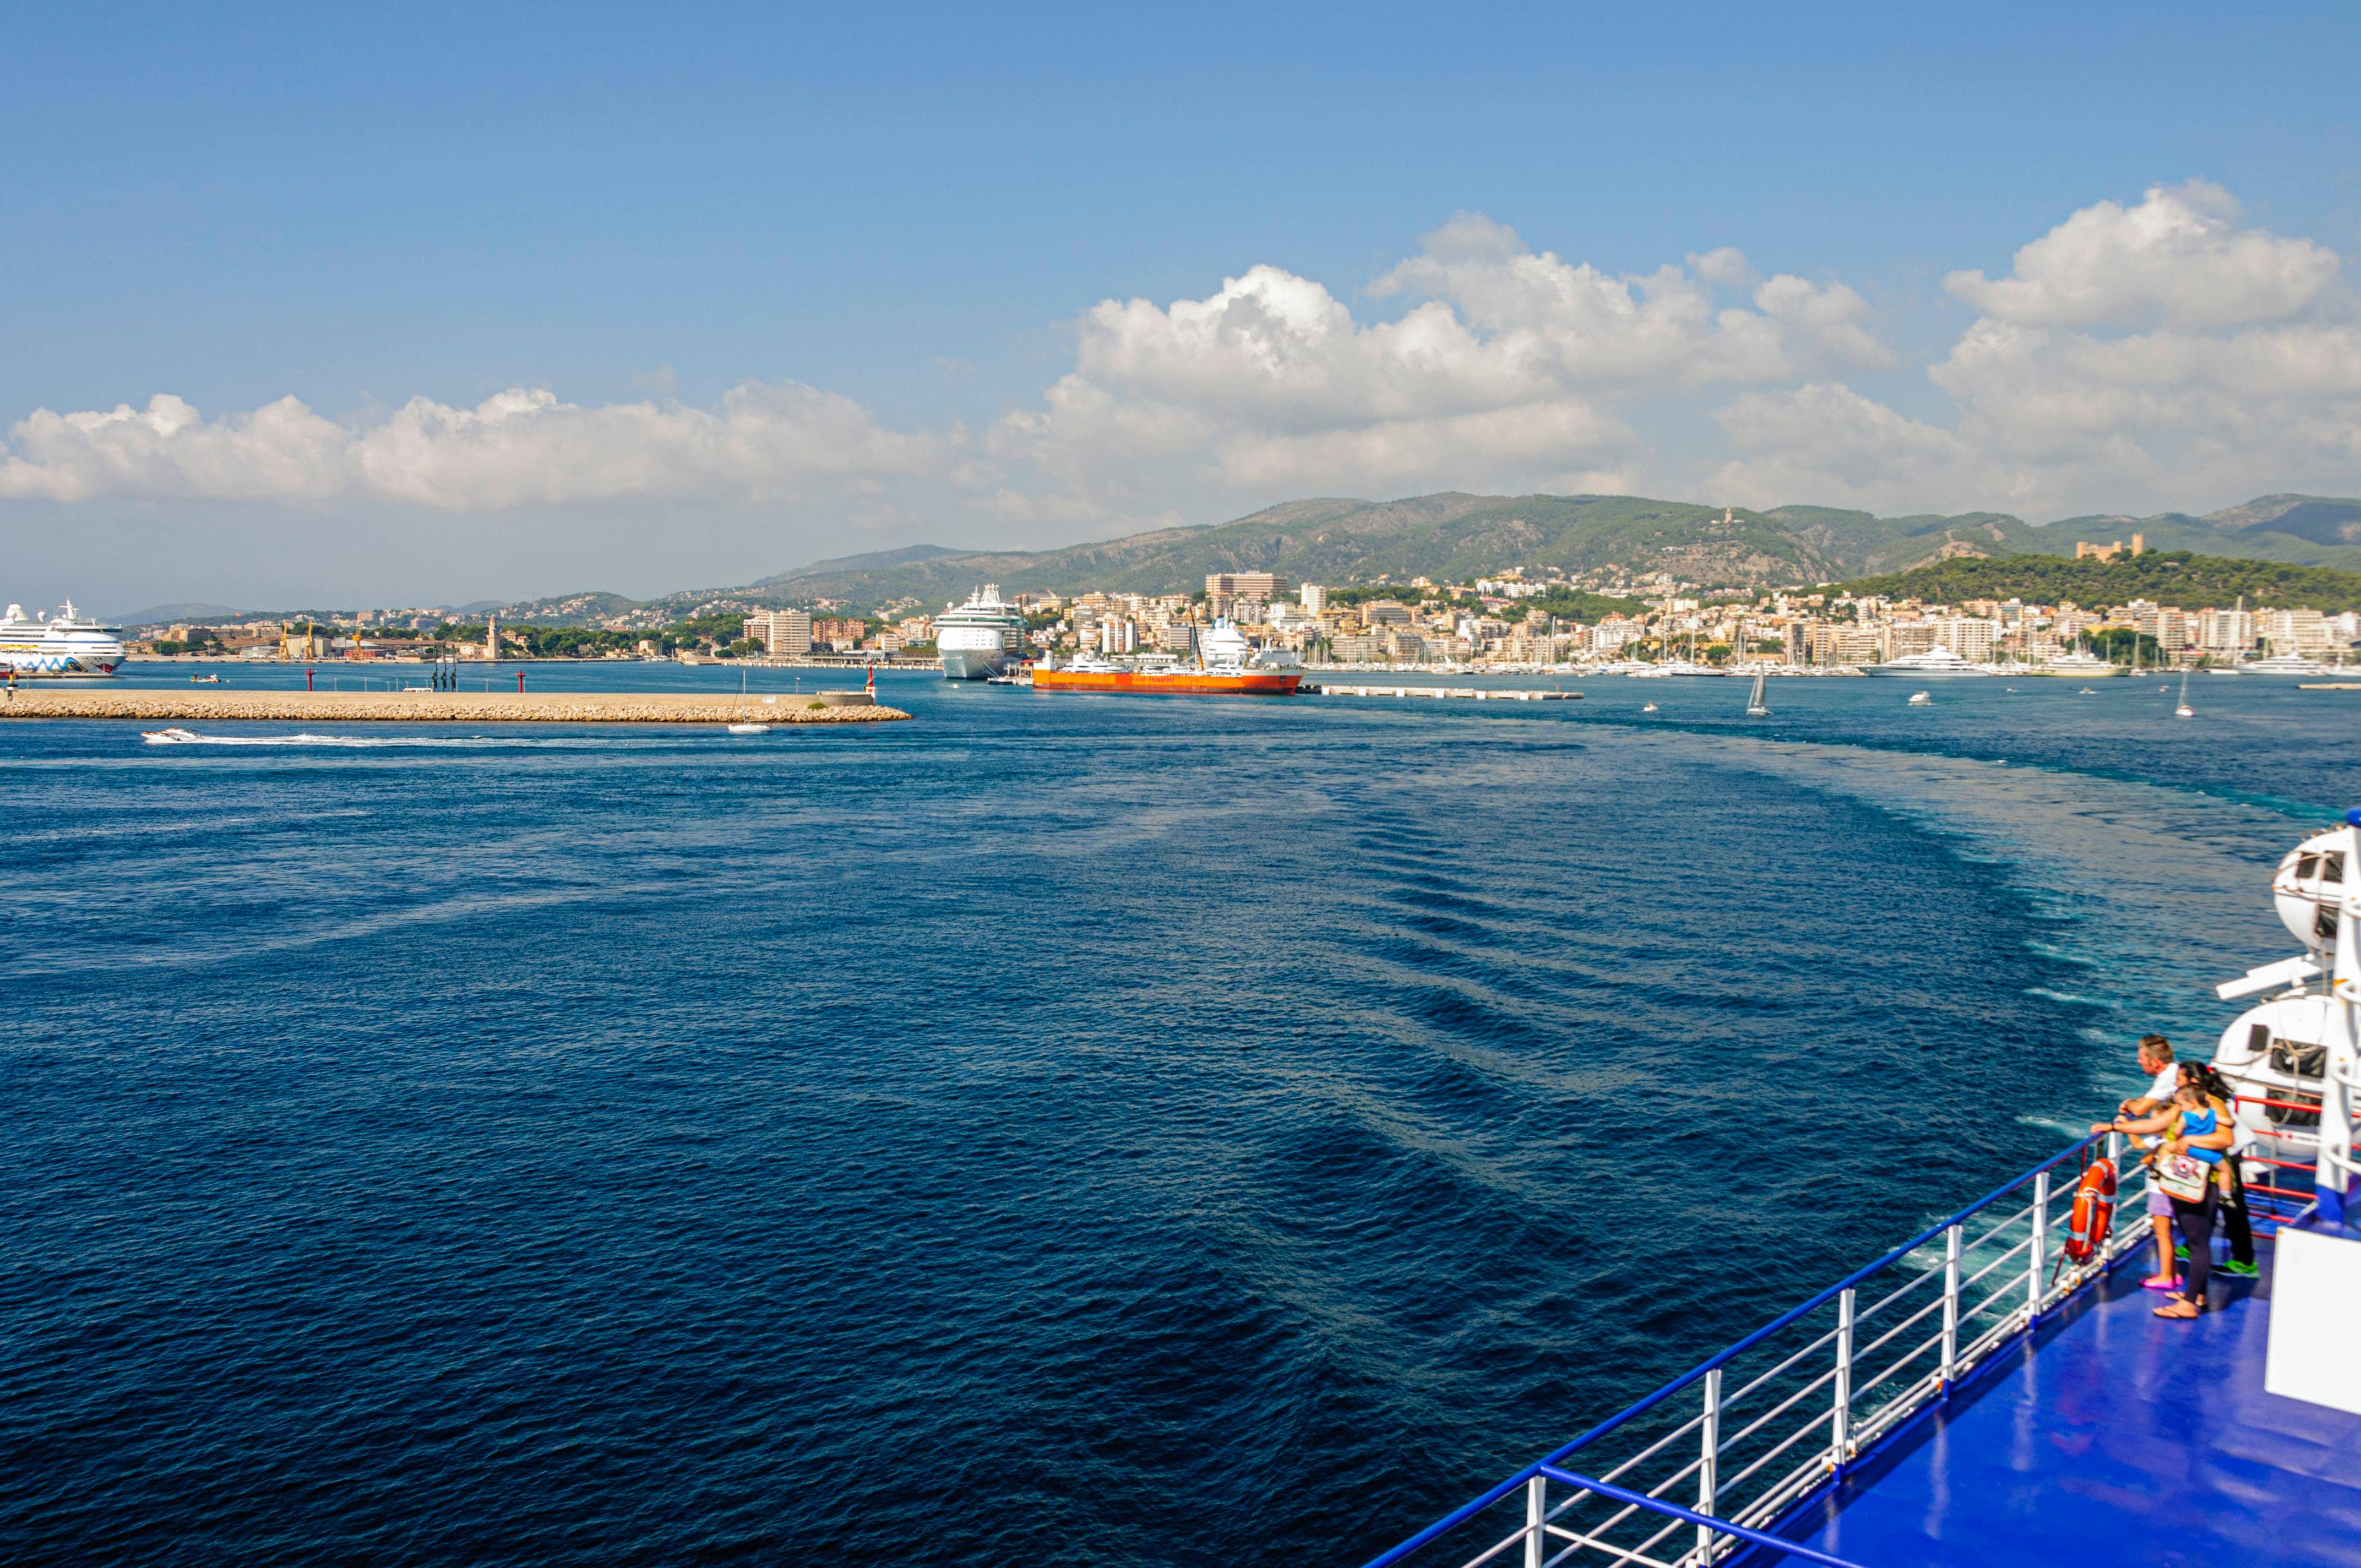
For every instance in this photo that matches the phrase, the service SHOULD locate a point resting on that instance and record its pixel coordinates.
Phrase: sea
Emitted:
(1058, 1129)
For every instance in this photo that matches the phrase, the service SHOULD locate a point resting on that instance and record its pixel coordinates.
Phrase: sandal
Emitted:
(2180, 1309)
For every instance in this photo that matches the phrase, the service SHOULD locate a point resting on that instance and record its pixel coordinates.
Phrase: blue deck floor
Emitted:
(2121, 1438)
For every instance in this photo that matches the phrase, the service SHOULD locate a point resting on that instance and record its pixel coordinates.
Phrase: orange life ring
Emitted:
(2094, 1211)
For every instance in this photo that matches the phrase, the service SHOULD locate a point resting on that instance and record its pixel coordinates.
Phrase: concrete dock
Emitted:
(446, 708)
(1474, 694)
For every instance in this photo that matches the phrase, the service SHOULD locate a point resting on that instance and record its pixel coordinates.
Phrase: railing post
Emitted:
(1536, 1510)
(1705, 1470)
(1951, 1306)
(2039, 1248)
(1840, 1424)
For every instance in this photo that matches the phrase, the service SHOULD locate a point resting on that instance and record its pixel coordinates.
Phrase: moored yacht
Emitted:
(2090, 666)
(2287, 664)
(1937, 663)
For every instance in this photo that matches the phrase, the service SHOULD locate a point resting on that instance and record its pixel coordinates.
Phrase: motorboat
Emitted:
(749, 729)
(1919, 699)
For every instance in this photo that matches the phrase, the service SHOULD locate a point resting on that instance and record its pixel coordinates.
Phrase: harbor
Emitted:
(424, 706)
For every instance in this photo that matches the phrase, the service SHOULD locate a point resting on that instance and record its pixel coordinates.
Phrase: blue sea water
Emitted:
(1058, 1129)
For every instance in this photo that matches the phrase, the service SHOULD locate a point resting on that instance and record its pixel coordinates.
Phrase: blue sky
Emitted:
(910, 215)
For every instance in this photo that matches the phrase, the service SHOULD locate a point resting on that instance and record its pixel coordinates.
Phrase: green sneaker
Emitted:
(2243, 1270)
(2181, 1253)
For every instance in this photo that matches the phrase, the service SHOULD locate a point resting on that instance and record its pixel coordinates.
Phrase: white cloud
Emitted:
(2155, 355)
(2178, 255)
(521, 449)
(2240, 373)
(1510, 367)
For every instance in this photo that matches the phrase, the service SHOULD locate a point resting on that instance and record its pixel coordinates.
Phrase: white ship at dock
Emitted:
(63, 644)
(977, 639)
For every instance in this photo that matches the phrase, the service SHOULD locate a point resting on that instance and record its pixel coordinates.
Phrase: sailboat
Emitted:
(1756, 707)
(2184, 710)
(746, 726)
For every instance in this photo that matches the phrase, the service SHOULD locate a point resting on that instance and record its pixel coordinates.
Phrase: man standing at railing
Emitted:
(2156, 1063)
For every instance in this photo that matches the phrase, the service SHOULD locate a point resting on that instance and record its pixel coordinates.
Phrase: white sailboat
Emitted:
(2184, 710)
(1756, 707)
(747, 726)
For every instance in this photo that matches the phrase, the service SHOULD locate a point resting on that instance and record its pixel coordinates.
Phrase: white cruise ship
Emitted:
(977, 639)
(1937, 664)
(64, 645)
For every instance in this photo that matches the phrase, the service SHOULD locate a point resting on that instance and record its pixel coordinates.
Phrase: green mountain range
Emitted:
(2170, 578)
(1455, 537)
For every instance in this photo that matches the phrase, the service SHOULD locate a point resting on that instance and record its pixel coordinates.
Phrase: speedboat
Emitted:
(173, 737)
(1919, 699)
(749, 729)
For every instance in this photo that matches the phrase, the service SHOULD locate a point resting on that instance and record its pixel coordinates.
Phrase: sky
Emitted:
(434, 304)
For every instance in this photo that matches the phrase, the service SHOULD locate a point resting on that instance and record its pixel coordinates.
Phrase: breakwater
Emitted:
(449, 708)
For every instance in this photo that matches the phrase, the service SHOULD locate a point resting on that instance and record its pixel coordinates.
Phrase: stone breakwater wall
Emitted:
(437, 707)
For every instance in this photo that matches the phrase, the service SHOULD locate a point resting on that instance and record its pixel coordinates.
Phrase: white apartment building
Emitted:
(782, 631)
(2297, 630)
(2225, 630)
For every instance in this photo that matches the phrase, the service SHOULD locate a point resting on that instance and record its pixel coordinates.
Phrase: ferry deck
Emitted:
(2083, 1430)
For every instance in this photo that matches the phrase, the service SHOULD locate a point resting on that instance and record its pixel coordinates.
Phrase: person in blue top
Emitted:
(2200, 1133)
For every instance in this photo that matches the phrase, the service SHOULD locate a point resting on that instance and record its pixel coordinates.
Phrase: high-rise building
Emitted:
(1315, 598)
(1263, 585)
(782, 631)
(2225, 630)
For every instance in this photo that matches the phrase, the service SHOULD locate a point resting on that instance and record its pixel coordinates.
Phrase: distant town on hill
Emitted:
(1603, 544)
(2276, 549)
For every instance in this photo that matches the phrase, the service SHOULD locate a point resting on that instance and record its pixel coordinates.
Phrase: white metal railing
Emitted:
(1779, 1415)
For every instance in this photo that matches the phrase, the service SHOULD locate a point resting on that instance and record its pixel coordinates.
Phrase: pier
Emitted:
(418, 706)
(1477, 694)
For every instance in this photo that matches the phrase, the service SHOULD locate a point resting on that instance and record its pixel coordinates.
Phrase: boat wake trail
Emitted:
(191, 738)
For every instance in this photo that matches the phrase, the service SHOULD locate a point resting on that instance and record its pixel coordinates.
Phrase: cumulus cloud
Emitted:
(2161, 353)
(522, 448)
(2179, 255)
(1508, 366)
(2152, 356)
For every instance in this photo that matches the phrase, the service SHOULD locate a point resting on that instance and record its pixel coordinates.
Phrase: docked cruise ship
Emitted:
(63, 644)
(977, 639)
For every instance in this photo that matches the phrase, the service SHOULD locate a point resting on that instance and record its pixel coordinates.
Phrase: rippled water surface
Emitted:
(1059, 1129)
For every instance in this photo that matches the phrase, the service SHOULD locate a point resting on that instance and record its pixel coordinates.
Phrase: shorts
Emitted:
(2159, 1206)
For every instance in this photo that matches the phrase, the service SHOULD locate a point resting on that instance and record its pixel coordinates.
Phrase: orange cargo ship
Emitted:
(1194, 682)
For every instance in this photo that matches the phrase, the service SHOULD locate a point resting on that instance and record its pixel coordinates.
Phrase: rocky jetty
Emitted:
(445, 707)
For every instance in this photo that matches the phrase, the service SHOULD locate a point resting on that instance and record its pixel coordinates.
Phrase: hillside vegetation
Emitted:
(1449, 537)
(2170, 577)
(1455, 537)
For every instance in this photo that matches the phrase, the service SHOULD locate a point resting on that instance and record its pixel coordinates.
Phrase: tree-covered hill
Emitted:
(2167, 577)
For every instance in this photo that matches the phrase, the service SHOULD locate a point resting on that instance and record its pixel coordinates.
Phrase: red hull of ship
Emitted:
(1181, 684)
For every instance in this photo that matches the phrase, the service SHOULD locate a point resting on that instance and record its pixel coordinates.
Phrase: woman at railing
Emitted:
(2193, 1145)
(2235, 1221)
